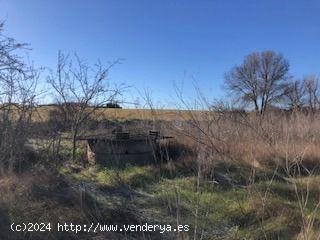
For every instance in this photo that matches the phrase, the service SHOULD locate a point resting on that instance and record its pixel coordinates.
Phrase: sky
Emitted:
(168, 43)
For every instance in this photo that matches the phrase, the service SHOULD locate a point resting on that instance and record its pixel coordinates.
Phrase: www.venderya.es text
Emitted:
(96, 227)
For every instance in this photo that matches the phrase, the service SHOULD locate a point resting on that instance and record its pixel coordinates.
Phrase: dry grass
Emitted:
(42, 114)
(227, 176)
(280, 152)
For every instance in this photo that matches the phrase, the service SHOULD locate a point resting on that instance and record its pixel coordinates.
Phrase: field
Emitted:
(225, 176)
(89, 152)
(115, 114)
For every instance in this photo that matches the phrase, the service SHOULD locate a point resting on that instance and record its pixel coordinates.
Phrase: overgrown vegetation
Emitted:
(231, 172)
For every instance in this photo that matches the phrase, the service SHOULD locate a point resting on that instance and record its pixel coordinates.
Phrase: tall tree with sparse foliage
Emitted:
(80, 90)
(18, 83)
(260, 80)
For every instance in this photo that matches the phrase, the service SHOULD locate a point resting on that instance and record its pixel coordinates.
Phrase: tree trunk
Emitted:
(74, 143)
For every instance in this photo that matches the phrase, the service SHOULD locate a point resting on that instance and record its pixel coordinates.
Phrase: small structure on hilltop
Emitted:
(121, 147)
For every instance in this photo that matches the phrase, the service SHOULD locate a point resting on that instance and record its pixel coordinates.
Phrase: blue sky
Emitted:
(168, 41)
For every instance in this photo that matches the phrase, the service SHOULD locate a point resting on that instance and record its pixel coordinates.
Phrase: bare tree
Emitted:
(294, 93)
(312, 91)
(17, 100)
(259, 80)
(9, 60)
(80, 91)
